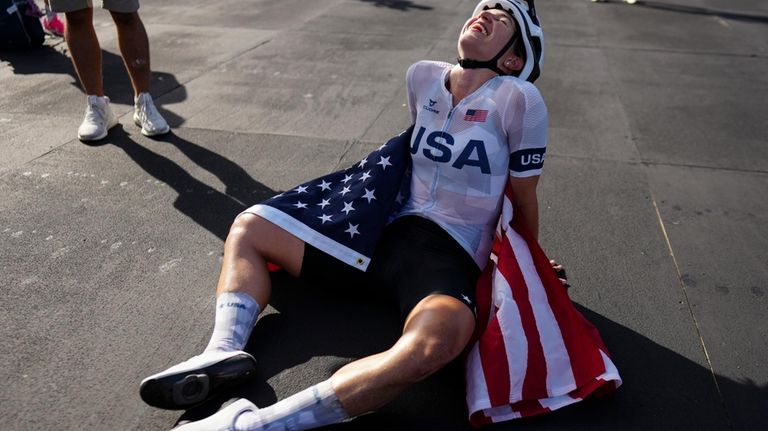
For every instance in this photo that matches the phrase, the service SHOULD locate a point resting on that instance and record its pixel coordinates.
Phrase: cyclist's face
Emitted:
(485, 34)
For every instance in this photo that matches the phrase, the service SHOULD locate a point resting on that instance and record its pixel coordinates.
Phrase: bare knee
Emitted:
(125, 19)
(80, 18)
(435, 333)
(427, 355)
(254, 235)
(244, 232)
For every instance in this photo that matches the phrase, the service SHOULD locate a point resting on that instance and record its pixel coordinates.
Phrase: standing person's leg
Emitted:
(85, 52)
(84, 49)
(134, 48)
(436, 332)
(243, 290)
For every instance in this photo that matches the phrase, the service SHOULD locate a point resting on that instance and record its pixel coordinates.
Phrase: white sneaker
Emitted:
(99, 118)
(223, 420)
(145, 115)
(197, 379)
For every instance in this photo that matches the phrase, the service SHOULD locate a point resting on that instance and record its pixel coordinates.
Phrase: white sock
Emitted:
(236, 314)
(311, 408)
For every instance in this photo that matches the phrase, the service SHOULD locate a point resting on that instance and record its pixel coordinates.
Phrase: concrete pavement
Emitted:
(654, 196)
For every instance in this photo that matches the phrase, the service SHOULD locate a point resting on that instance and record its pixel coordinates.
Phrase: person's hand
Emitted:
(560, 271)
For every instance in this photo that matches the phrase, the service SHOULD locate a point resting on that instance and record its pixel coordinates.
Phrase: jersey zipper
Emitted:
(446, 126)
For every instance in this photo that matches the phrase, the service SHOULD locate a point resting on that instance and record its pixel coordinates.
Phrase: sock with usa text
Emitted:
(236, 314)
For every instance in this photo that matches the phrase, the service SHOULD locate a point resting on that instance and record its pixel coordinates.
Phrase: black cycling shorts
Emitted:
(415, 258)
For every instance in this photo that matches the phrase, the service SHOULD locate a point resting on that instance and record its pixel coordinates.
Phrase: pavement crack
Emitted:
(681, 283)
(635, 162)
(347, 148)
(661, 50)
(714, 168)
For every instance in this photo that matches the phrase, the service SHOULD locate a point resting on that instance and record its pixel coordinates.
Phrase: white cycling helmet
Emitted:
(528, 27)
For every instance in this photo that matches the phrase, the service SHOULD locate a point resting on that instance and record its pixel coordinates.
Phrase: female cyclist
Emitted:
(478, 125)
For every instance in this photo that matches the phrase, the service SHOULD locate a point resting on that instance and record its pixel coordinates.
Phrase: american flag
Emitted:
(344, 213)
(476, 115)
(535, 352)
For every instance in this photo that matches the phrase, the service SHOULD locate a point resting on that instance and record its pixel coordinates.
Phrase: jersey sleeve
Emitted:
(527, 131)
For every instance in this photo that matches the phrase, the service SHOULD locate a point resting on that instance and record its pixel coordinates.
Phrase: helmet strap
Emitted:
(492, 64)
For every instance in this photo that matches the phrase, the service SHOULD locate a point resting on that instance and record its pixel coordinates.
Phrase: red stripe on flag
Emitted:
(479, 419)
(579, 336)
(535, 382)
(528, 408)
(594, 334)
(495, 364)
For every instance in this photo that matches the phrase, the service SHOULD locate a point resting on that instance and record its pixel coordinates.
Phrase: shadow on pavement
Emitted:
(402, 5)
(735, 16)
(117, 84)
(239, 184)
(208, 207)
(337, 327)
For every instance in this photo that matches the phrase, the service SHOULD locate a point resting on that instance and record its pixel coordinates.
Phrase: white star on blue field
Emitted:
(350, 207)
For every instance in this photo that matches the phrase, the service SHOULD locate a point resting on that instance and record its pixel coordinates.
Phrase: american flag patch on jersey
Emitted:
(476, 115)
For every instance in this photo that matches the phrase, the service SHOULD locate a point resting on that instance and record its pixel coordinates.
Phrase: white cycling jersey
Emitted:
(462, 155)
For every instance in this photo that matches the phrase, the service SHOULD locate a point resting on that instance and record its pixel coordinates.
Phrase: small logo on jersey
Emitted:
(430, 107)
(476, 115)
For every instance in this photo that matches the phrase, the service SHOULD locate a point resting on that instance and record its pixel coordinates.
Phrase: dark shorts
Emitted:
(414, 259)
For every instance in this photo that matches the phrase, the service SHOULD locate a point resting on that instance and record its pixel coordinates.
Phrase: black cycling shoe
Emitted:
(197, 379)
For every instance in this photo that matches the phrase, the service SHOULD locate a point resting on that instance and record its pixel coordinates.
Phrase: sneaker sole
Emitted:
(147, 133)
(94, 138)
(155, 133)
(189, 388)
(100, 137)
